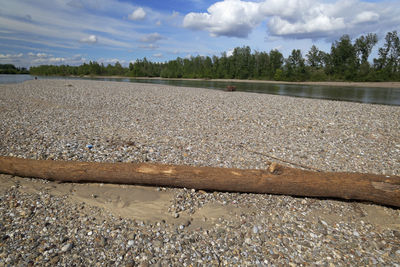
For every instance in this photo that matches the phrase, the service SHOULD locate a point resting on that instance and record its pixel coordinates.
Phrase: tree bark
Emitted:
(276, 179)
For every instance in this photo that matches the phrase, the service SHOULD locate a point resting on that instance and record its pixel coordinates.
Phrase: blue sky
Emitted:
(76, 31)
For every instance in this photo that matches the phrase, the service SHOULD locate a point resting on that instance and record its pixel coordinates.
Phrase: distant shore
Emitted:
(329, 83)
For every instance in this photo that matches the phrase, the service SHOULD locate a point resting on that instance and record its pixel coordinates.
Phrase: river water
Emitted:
(385, 96)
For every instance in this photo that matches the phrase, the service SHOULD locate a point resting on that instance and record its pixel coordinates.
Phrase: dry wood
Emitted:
(277, 180)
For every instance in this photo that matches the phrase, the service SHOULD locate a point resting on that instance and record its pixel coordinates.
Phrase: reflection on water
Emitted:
(386, 96)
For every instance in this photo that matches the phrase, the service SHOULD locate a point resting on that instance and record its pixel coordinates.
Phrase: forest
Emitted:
(348, 60)
(11, 69)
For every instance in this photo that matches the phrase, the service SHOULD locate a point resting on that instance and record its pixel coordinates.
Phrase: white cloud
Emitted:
(230, 18)
(44, 58)
(89, 39)
(62, 23)
(10, 56)
(151, 38)
(34, 59)
(296, 18)
(47, 61)
(41, 58)
(41, 55)
(112, 61)
(365, 17)
(55, 60)
(149, 46)
(137, 14)
(158, 55)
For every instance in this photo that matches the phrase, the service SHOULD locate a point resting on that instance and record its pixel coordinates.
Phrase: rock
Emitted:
(100, 241)
(67, 247)
(323, 222)
(255, 229)
(54, 260)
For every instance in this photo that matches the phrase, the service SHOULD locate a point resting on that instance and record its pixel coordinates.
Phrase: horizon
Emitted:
(74, 32)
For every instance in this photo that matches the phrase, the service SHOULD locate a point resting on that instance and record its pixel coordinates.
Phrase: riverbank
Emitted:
(48, 223)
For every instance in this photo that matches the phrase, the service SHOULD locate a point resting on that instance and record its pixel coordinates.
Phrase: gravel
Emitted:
(108, 121)
(127, 122)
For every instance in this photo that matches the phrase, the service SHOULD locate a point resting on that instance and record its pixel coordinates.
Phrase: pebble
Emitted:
(198, 127)
(255, 229)
(66, 247)
(323, 222)
(211, 127)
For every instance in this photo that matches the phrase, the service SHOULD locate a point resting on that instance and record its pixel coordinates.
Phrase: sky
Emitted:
(37, 32)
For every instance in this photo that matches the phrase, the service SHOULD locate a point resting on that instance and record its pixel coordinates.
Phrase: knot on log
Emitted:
(274, 168)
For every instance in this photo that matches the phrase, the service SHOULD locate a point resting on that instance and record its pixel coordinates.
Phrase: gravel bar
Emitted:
(127, 122)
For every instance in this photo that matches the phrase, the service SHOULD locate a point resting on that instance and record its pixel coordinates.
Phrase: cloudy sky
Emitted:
(76, 31)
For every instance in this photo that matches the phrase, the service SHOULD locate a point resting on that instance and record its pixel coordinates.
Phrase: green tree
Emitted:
(364, 45)
(242, 57)
(295, 66)
(315, 58)
(8, 69)
(344, 58)
(262, 65)
(388, 61)
(276, 60)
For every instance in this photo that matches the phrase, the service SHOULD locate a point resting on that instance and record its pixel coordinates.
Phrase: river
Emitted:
(385, 96)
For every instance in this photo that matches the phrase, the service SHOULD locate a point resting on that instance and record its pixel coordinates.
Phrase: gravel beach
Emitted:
(46, 223)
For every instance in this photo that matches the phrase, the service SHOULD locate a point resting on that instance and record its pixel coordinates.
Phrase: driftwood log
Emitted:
(230, 88)
(276, 179)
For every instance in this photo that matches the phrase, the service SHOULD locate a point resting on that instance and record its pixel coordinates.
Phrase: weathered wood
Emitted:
(275, 180)
(230, 88)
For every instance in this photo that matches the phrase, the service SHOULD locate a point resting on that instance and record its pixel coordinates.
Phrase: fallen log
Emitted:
(230, 88)
(276, 179)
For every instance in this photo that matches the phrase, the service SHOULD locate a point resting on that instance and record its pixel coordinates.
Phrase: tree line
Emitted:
(347, 61)
(11, 69)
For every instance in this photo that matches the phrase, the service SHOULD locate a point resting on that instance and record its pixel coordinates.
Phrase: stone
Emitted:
(255, 229)
(67, 247)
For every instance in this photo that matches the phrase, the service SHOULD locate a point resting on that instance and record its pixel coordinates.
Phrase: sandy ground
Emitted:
(150, 204)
